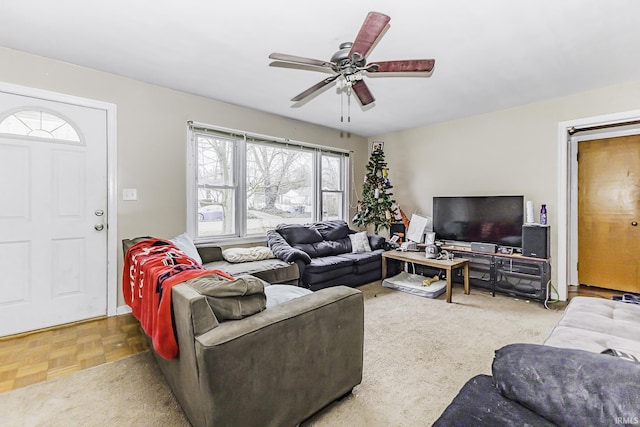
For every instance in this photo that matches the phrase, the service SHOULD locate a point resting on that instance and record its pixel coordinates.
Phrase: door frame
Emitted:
(617, 124)
(112, 205)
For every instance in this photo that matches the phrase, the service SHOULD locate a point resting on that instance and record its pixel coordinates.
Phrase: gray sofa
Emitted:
(567, 381)
(276, 367)
(596, 324)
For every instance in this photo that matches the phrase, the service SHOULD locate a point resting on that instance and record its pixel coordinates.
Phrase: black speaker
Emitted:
(536, 241)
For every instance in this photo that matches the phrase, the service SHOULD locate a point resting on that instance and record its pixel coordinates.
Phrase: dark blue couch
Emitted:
(539, 385)
(323, 253)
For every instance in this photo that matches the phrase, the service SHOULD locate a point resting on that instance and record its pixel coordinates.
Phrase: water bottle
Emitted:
(543, 215)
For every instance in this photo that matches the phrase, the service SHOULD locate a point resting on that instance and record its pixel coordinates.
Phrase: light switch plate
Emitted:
(129, 194)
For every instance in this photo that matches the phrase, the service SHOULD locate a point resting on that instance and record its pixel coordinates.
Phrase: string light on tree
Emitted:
(376, 207)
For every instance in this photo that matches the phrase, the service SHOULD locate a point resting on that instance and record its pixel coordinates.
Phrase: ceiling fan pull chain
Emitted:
(341, 106)
(349, 103)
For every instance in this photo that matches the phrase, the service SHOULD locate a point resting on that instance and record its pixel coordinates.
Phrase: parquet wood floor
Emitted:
(42, 355)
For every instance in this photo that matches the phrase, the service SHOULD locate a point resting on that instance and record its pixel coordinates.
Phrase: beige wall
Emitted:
(513, 151)
(507, 152)
(151, 136)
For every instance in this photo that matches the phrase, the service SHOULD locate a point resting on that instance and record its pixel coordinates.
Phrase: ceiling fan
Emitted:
(350, 62)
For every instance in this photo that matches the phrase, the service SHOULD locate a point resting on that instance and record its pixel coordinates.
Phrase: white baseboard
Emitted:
(123, 309)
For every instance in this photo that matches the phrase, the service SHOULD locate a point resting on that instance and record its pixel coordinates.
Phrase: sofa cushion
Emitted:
(296, 234)
(595, 324)
(269, 270)
(359, 242)
(567, 386)
(210, 253)
(364, 257)
(326, 248)
(186, 245)
(328, 263)
(596, 342)
(480, 404)
(602, 315)
(255, 253)
(370, 263)
(278, 294)
(332, 230)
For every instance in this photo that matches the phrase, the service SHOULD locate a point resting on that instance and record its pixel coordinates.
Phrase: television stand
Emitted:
(510, 274)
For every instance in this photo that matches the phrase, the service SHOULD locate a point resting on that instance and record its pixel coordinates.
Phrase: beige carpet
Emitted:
(418, 353)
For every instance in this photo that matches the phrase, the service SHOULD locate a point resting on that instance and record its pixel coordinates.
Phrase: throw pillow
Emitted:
(359, 242)
(186, 245)
(256, 253)
(567, 386)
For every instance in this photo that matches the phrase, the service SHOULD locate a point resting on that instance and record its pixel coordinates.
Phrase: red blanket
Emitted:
(151, 268)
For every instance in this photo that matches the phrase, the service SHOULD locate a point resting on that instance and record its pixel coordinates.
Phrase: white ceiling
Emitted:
(490, 55)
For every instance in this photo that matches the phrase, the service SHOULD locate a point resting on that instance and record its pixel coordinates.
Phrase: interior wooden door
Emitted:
(609, 213)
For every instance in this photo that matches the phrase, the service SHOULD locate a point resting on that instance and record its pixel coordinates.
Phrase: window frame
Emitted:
(239, 234)
(342, 185)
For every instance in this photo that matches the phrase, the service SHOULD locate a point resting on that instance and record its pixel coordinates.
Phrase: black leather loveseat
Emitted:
(540, 385)
(324, 253)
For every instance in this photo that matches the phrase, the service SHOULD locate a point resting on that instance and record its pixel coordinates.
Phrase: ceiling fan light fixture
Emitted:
(349, 62)
(341, 83)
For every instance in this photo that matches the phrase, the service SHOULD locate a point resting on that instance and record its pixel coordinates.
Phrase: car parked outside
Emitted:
(211, 213)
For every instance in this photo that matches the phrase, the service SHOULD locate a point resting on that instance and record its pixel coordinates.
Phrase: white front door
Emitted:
(53, 213)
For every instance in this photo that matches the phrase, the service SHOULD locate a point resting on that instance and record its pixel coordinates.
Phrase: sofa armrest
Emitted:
(567, 386)
(479, 403)
(376, 242)
(285, 363)
(283, 250)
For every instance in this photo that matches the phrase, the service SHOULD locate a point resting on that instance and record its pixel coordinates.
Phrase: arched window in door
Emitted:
(40, 124)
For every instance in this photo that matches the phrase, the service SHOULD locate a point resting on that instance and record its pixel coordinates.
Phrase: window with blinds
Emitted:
(244, 185)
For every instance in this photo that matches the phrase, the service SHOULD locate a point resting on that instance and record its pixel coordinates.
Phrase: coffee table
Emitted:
(421, 259)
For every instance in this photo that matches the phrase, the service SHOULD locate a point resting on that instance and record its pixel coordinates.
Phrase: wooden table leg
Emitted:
(384, 268)
(466, 278)
(449, 285)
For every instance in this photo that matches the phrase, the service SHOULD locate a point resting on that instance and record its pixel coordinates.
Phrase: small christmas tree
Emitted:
(376, 207)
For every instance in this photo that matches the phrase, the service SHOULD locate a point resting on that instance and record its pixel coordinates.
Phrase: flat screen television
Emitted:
(482, 219)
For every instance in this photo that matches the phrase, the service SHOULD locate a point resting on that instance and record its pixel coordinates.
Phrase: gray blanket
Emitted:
(231, 299)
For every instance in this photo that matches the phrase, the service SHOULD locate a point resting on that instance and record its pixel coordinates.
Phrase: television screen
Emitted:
(483, 219)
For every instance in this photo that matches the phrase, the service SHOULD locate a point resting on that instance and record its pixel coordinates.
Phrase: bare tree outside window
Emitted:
(332, 187)
(279, 180)
(216, 186)
(246, 186)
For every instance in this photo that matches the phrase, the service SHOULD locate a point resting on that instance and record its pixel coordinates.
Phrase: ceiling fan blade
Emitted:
(406, 66)
(303, 67)
(371, 29)
(300, 60)
(362, 92)
(315, 87)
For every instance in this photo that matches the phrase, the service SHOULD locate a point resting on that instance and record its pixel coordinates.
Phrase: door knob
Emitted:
(634, 223)
(99, 227)
(99, 212)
